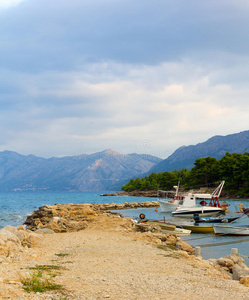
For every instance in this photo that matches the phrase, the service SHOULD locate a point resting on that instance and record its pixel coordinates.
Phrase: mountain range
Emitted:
(216, 146)
(107, 170)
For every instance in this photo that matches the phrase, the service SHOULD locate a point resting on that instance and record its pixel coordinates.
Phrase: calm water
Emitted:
(203, 240)
(15, 207)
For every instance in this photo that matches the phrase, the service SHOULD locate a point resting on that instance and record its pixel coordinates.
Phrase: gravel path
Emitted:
(116, 263)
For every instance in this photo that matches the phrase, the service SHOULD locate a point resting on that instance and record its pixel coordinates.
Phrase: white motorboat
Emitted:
(202, 211)
(212, 209)
(169, 205)
(231, 230)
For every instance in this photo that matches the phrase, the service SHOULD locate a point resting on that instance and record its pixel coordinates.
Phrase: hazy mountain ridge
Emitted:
(216, 146)
(88, 172)
(107, 170)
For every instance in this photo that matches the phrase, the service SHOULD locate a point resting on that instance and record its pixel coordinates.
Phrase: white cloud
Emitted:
(100, 108)
(9, 3)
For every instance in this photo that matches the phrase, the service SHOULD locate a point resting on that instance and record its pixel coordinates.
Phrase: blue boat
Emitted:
(218, 219)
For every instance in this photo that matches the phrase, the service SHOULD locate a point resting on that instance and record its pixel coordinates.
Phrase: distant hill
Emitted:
(217, 146)
(102, 171)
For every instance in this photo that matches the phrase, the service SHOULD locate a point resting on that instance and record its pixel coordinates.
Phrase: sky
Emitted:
(135, 76)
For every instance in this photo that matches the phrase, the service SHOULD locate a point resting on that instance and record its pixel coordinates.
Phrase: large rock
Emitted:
(238, 260)
(6, 235)
(233, 264)
(185, 247)
(13, 239)
(239, 272)
(226, 263)
(9, 242)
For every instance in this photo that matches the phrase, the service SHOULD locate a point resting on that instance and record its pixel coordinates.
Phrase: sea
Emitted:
(16, 206)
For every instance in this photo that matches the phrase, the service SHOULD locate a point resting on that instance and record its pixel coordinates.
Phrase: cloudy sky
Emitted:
(143, 76)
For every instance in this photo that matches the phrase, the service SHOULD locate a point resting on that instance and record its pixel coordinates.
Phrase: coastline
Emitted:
(108, 259)
(160, 194)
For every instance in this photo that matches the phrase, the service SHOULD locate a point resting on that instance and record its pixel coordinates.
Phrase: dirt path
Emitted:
(109, 261)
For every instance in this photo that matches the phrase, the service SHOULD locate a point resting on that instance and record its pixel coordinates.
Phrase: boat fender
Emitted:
(241, 206)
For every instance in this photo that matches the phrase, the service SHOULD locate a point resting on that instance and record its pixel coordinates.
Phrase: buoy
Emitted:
(156, 210)
(142, 216)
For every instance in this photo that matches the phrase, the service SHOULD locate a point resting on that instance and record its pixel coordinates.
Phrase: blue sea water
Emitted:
(15, 207)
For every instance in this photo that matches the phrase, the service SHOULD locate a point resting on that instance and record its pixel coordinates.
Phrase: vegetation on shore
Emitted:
(208, 172)
(37, 283)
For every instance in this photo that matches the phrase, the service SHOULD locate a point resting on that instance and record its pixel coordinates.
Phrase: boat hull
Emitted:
(199, 229)
(231, 230)
(166, 206)
(178, 231)
(203, 211)
(170, 228)
(217, 220)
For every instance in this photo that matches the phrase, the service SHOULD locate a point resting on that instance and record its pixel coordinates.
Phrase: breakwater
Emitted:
(74, 217)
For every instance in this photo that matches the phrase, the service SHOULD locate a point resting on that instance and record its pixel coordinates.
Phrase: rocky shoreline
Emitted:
(137, 193)
(162, 194)
(73, 217)
(84, 231)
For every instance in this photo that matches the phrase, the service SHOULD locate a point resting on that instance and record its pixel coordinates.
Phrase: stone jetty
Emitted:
(74, 217)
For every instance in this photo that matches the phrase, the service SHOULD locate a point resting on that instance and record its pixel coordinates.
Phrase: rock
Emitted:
(245, 281)
(237, 259)
(54, 226)
(150, 237)
(2, 258)
(185, 247)
(61, 218)
(239, 272)
(171, 239)
(11, 228)
(7, 235)
(13, 240)
(226, 262)
(33, 239)
(21, 227)
(44, 230)
(147, 227)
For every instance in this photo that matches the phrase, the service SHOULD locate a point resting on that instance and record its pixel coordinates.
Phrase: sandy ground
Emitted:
(108, 260)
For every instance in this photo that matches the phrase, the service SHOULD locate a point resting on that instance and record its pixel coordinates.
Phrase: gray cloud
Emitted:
(112, 74)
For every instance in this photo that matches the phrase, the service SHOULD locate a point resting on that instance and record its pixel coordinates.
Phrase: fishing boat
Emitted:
(203, 211)
(239, 230)
(196, 228)
(169, 205)
(165, 227)
(169, 228)
(218, 219)
(213, 209)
